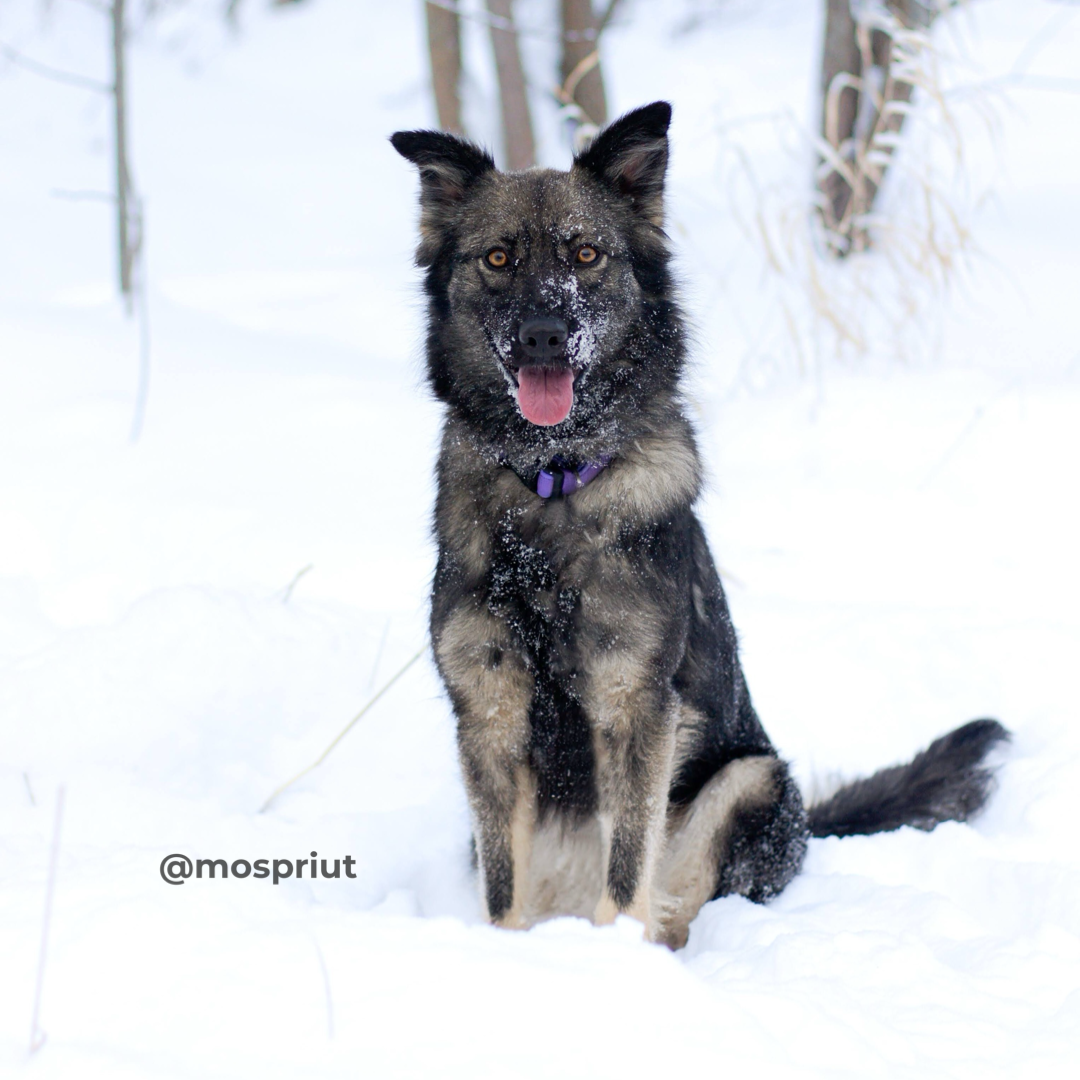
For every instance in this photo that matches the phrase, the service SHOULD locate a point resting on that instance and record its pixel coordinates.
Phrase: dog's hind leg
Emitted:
(491, 691)
(740, 834)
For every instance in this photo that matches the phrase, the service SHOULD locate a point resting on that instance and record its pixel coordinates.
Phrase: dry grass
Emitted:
(905, 240)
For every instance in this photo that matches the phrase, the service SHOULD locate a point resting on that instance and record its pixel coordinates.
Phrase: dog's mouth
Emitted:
(545, 392)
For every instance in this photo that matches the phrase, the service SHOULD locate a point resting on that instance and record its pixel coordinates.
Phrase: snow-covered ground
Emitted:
(899, 539)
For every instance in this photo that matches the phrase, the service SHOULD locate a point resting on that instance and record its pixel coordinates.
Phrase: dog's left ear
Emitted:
(631, 155)
(448, 166)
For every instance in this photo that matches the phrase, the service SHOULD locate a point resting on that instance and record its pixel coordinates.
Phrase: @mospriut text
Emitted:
(177, 868)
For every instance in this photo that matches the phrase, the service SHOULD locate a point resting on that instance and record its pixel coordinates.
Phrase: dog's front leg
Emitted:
(634, 738)
(492, 691)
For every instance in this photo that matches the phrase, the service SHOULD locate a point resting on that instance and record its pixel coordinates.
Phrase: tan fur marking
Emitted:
(522, 829)
(493, 732)
(615, 687)
(689, 725)
(654, 476)
(565, 873)
(606, 911)
(497, 695)
(698, 838)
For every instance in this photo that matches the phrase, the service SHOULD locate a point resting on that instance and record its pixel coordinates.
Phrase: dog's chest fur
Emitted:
(567, 581)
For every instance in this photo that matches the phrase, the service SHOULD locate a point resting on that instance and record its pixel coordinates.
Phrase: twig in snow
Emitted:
(965, 433)
(1049, 32)
(11, 54)
(29, 789)
(292, 584)
(345, 731)
(378, 655)
(326, 988)
(37, 1036)
(969, 427)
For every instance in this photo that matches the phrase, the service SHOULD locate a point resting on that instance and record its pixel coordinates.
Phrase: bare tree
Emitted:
(582, 84)
(444, 48)
(517, 126)
(128, 212)
(841, 64)
(579, 69)
(128, 215)
(867, 81)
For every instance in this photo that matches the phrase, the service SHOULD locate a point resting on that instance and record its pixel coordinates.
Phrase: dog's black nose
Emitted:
(543, 338)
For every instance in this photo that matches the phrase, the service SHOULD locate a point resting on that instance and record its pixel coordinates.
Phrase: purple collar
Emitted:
(559, 479)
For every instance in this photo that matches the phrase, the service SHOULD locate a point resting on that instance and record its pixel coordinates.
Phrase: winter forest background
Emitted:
(215, 486)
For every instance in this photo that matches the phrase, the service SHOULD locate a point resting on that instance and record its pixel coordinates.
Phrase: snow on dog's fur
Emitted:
(613, 760)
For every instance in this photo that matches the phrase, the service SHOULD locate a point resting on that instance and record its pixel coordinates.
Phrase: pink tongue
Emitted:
(545, 395)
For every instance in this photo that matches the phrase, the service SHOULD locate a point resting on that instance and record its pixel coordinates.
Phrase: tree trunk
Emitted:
(444, 47)
(579, 69)
(856, 77)
(517, 123)
(839, 102)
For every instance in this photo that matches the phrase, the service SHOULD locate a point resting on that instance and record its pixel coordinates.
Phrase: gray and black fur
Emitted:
(612, 756)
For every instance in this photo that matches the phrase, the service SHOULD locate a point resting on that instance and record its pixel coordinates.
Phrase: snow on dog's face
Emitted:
(541, 282)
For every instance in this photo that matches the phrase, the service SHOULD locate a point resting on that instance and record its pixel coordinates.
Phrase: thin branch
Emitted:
(296, 578)
(378, 654)
(11, 54)
(565, 93)
(1059, 83)
(326, 988)
(1044, 37)
(83, 196)
(127, 249)
(609, 11)
(344, 731)
(37, 1036)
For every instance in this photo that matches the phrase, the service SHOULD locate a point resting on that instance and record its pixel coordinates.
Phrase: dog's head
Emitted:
(550, 307)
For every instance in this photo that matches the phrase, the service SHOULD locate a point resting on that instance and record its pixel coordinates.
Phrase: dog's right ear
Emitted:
(448, 166)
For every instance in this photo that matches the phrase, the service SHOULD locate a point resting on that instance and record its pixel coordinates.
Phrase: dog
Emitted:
(612, 758)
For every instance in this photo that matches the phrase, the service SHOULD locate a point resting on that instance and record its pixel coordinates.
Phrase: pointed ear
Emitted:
(448, 167)
(631, 155)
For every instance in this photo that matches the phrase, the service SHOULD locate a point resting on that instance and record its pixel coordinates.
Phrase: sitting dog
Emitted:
(612, 758)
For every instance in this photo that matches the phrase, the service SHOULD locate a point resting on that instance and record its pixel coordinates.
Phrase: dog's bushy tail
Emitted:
(948, 781)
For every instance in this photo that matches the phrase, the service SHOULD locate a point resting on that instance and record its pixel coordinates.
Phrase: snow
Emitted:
(898, 539)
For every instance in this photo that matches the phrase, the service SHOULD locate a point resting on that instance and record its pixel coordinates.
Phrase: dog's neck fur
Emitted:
(654, 475)
(525, 455)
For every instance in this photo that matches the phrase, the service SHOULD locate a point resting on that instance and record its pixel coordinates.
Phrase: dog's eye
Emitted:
(586, 254)
(497, 257)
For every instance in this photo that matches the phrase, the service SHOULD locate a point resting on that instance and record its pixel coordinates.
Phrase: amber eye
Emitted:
(497, 257)
(586, 254)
